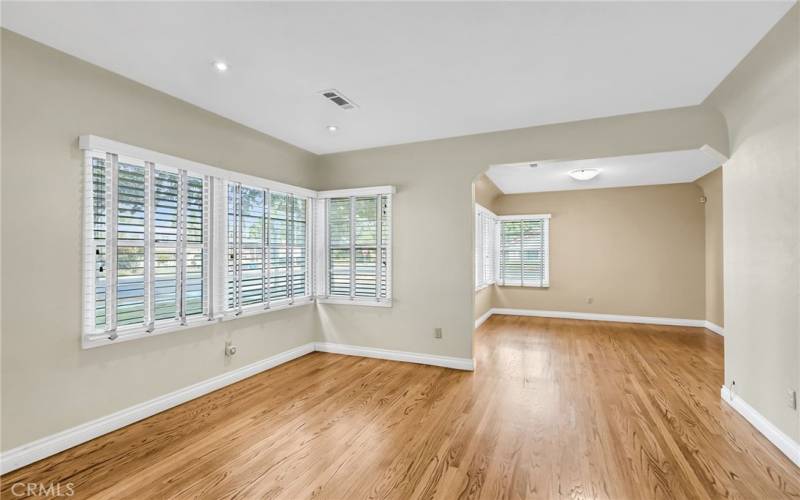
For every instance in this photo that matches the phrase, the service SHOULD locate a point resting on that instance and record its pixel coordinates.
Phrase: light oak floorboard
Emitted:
(555, 409)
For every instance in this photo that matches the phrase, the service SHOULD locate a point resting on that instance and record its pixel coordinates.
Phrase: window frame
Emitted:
(214, 242)
(485, 252)
(322, 267)
(545, 220)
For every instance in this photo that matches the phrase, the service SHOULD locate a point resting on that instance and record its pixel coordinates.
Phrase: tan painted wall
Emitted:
(486, 192)
(484, 300)
(759, 100)
(635, 251)
(49, 383)
(433, 281)
(711, 184)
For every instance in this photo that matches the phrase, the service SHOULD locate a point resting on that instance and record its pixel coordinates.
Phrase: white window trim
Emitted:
(321, 247)
(96, 143)
(481, 285)
(524, 217)
(546, 278)
(216, 248)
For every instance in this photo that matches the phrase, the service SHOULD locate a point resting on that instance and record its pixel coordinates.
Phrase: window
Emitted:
(524, 253)
(357, 250)
(148, 245)
(172, 243)
(266, 248)
(485, 247)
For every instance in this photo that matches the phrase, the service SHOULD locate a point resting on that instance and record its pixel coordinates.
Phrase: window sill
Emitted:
(544, 285)
(355, 302)
(89, 341)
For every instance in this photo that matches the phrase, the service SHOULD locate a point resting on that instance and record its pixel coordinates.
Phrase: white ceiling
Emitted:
(635, 170)
(418, 71)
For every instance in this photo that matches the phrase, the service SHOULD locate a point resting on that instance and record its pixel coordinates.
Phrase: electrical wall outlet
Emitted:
(437, 333)
(791, 399)
(230, 349)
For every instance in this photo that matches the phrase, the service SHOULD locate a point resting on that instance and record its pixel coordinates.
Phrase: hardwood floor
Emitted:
(556, 409)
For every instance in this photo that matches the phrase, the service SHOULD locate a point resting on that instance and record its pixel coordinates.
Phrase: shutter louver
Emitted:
(278, 246)
(166, 237)
(99, 232)
(130, 244)
(298, 249)
(339, 247)
(194, 289)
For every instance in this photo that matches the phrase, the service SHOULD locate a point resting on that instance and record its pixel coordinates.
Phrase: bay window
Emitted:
(171, 243)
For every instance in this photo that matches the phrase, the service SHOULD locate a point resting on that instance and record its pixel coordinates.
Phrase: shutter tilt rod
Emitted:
(149, 246)
(352, 247)
(290, 248)
(266, 258)
(378, 253)
(208, 244)
(111, 247)
(237, 262)
(181, 246)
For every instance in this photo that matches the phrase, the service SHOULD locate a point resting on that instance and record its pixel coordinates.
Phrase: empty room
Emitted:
(355, 250)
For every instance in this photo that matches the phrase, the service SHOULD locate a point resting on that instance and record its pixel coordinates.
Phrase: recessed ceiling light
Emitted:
(221, 66)
(332, 128)
(584, 174)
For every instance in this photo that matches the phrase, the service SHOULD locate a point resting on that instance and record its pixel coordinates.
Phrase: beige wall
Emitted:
(635, 251)
(761, 184)
(711, 184)
(433, 281)
(486, 192)
(484, 300)
(49, 383)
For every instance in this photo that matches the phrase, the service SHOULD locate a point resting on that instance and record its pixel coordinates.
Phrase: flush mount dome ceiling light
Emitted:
(332, 128)
(221, 66)
(584, 174)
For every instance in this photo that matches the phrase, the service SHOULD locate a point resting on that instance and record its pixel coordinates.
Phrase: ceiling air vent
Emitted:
(338, 99)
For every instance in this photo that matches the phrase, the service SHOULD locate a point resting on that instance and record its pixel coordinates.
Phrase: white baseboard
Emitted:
(787, 445)
(56, 443)
(651, 320)
(714, 328)
(483, 318)
(409, 357)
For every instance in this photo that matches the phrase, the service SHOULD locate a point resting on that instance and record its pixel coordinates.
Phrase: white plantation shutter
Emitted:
(267, 248)
(485, 246)
(489, 248)
(524, 251)
(479, 241)
(147, 246)
(357, 247)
